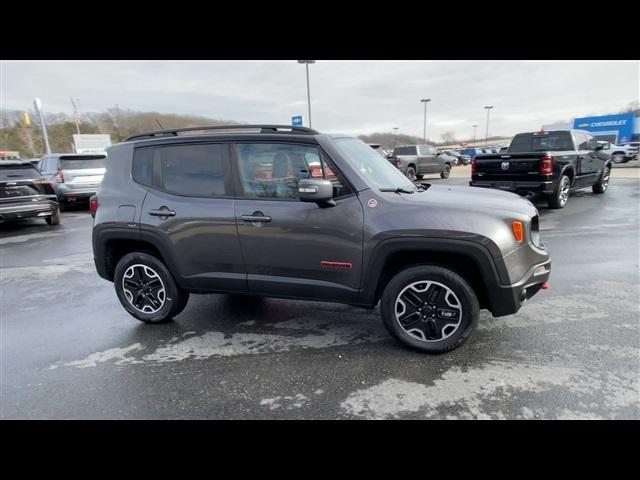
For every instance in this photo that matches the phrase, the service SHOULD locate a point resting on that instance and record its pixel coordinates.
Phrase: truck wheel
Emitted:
(603, 181)
(618, 157)
(430, 309)
(560, 195)
(146, 289)
(411, 174)
(53, 219)
(445, 171)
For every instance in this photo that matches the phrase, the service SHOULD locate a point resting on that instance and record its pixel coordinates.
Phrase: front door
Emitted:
(293, 248)
(189, 210)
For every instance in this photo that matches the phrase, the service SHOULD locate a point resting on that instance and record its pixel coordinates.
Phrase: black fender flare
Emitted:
(106, 233)
(484, 253)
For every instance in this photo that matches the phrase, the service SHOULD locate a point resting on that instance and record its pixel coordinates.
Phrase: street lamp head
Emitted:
(425, 100)
(306, 61)
(489, 107)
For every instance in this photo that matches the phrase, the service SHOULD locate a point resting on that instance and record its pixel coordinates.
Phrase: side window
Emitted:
(593, 143)
(582, 143)
(193, 170)
(269, 170)
(142, 170)
(431, 151)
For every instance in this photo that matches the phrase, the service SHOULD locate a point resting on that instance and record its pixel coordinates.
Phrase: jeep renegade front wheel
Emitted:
(428, 308)
(146, 289)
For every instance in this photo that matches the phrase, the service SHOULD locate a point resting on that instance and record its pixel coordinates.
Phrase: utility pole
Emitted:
(475, 127)
(424, 130)
(38, 104)
(306, 63)
(486, 137)
(395, 134)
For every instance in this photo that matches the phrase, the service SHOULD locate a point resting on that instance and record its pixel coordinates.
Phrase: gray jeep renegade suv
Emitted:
(288, 212)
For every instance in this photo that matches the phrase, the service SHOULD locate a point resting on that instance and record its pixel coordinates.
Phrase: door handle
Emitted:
(257, 217)
(162, 212)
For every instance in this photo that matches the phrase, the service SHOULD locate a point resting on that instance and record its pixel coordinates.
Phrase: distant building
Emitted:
(619, 129)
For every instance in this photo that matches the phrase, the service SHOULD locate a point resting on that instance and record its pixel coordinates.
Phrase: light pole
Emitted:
(486, 137)
(306, 63)
(38, 104)
(395, 133)
(475, 127)
(424, 130)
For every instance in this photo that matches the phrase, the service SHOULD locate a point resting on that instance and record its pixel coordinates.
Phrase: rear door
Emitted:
(189, 209)
(82, 171)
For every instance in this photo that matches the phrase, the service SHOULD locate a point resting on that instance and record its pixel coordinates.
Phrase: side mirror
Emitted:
(599, 146)
(315, 190)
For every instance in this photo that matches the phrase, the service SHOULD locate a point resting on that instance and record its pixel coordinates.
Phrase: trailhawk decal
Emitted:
(342, 265)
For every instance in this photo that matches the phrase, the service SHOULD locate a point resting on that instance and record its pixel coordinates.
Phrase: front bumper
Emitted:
(17, 211)
(519, 187)
(508, 300)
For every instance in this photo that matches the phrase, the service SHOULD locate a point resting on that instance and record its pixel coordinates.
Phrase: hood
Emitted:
(473, 198)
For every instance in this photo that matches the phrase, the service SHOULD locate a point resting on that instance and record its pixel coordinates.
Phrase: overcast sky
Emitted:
(346, 96)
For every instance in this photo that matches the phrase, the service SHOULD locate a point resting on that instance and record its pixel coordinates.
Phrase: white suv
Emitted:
(619, 153)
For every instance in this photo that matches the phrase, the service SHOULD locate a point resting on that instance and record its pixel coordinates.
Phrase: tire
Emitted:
(603, 181)
(560, 195)
(618, 157)
(411, 174)
(164, 298)
(53, 219)
(432, 333)
(445, 171)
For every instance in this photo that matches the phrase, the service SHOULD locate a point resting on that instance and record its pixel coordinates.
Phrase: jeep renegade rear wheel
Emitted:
(146, 288)
(428, 308)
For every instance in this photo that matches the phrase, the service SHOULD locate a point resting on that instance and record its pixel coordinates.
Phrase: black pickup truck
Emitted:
(548, 162)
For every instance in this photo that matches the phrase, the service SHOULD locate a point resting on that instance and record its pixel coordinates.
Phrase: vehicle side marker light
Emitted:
(518, 231)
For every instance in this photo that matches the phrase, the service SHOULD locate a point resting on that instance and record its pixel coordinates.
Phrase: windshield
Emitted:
(9, 172)
(377, 171)
(551, 142)
(83, 162)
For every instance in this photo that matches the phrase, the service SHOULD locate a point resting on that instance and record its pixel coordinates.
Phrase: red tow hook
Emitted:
(545, 286)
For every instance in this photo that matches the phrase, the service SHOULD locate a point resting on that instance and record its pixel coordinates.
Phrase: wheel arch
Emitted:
(471, 260)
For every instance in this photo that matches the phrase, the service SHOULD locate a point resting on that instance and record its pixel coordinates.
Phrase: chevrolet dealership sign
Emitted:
(618, 126)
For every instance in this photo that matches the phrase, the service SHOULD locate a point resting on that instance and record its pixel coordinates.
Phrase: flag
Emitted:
(77, 117)
(26, 119)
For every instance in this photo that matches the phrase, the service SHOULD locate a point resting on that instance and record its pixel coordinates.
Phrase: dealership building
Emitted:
(619, 129)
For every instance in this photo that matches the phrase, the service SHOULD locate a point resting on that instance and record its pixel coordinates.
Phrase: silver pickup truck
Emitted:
(417, 160)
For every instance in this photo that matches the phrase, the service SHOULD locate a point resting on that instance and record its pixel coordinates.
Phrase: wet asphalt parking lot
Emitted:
(69, 350)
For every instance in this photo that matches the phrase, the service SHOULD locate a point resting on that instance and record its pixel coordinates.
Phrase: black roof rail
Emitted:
(263, 129)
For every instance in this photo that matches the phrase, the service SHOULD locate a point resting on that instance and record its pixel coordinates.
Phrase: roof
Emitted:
(226, 129)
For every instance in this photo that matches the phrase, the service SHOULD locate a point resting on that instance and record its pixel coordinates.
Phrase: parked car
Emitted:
(180, 213)
(377, 148)
(417, 160)
(462, 159)
(24, 193)
(618, 153)
(75, 176)
(447, 157)
(549, 162)
(472, 152)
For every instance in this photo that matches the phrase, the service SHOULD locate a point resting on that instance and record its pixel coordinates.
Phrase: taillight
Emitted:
(60, 177)
(474, 166)
(546, 165)
(93, 205)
